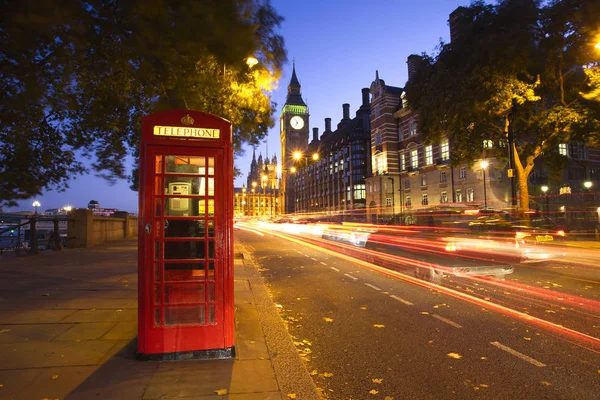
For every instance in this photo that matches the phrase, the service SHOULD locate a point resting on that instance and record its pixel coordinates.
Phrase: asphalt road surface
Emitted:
(368, 334)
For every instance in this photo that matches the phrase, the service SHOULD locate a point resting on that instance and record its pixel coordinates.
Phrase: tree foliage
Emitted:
(77, 76)
(515, 66)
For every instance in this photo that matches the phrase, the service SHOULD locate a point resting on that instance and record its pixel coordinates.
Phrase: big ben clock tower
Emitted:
(294, 134)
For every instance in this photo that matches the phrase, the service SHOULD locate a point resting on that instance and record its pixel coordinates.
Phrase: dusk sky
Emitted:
(337, 45)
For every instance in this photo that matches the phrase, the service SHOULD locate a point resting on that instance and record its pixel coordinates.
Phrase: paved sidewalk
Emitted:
(68, 327)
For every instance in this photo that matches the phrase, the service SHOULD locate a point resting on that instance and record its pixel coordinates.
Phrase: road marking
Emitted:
(517, 354)
(306, 255)
(372, 286)
(314, 259)
(408, 303)
(350, 276)
(335, 269)
(323, 263)
(446, 320)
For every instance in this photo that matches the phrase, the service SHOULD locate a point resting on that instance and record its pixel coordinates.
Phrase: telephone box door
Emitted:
(183, 241)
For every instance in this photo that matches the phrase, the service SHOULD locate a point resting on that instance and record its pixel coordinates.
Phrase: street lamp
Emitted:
(587, 184)
(545, 190)
(36, 204)
(484, 164)
(244, 199)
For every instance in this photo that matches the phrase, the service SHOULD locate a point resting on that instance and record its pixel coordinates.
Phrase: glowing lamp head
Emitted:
(587, 184)
(297, 155)
(544, 188)
(484, 164)
(315, 156)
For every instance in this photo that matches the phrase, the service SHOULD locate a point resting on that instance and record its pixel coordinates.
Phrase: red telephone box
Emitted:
(185, 256)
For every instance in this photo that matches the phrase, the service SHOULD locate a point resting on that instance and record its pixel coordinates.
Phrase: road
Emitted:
(367, 333)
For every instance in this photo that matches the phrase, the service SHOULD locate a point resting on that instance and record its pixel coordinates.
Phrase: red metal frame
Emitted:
(194, 294)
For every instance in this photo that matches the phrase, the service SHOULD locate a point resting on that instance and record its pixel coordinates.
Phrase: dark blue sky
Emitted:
(338, 45)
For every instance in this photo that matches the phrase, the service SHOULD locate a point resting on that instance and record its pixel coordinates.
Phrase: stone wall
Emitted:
(86, 230)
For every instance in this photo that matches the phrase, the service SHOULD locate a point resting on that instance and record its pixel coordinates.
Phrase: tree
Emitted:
(515, 72)
(78, 75)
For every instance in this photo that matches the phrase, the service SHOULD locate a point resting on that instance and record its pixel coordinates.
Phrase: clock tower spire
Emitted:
(294, 133)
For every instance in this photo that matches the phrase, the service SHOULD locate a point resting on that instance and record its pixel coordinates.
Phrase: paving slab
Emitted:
(99, 315)
(122, 331)
(85, 331)
(34, 332)
(34, 316)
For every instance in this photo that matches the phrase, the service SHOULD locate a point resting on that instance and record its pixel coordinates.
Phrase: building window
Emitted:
(442, 176)
(462, 173)
(359, 192)
(403, 162)
(379, 164)
(424, 200)
(414, 159)
(400, 133)
(404, 101)
(388, 201)
(407, 183)
(444, 197)
(459, 196)
(578, 151)
(488, 144)
(423, 180)
(470, 196)
(408, 202)
(428, 155)
(412, 128)
(563, 149)
(445, 150)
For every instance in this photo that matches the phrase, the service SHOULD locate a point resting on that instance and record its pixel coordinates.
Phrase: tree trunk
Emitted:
(522, 176)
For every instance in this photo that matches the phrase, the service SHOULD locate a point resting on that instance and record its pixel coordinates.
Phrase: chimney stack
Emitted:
(413, 63)
(365, 97)
(327, 125)
(315, 134)
(346, 108)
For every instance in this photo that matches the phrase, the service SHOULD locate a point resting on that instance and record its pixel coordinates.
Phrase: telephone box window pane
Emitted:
(194, 315)
(157, 317)
(158, 162)
(157, 251)
(185, 250)
(157, 272)
(202, 186)
(211, 270)
(184, 293)
(157, 185)
(185, 165)
(211, 292)
(211, 165)
(211, 207)
(211, 228)
(184, 228)
(157, 207)
(211, 186)
(157, 232)
(157, 294)
(178, 272)
(201, 207)
(202, 166)
(211, 314)
(211, 249)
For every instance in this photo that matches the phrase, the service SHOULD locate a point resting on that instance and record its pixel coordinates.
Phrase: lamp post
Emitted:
(36, 204)
(588, 186)
(545, 190)
(252, 201)
(484, 164)
(244, 200)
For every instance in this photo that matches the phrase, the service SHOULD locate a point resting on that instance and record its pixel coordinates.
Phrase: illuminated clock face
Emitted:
(297, 122)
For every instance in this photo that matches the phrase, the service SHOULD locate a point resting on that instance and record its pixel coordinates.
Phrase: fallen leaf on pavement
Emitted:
(388, 398)
(5, 330)
(327, 374)
(551, 311)
(221, 392)
(373, 391)
(278, 306)
(54, 377)
(291, 395)
(527, 338)
(363, 308)
(377, 380)
(379, 326)
(455, 355)
(424, 313)
(313, 372)
(546, 383)
(328, 319)
(483, 385)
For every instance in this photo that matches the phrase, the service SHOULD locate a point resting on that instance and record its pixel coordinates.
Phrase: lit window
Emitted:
(388, 201)
(444, 197)
(359, 192)
(403, 162)
(470, 196)
(428, 155)
(424, 200)
(423, 180)
(445, 150)
(412, 128)
(459, 196)
(488, 144)
(563, 150)
(414, 159)
(462, 173)
(442, 176)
